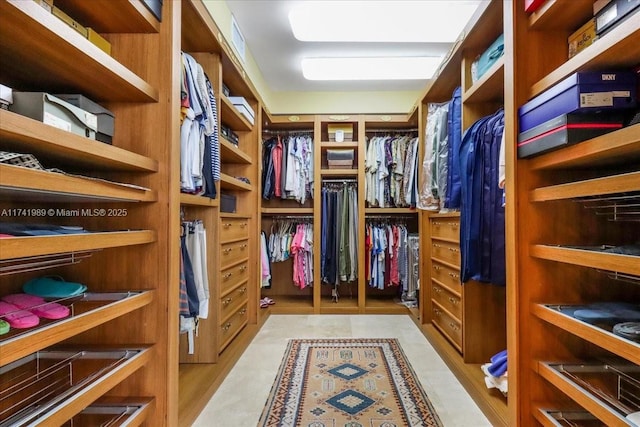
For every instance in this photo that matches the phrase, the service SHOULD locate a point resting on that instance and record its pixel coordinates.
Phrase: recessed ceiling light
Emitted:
(390, 68)
(435, 21)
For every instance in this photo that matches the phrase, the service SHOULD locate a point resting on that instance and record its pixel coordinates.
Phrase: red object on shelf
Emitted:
(532, 5)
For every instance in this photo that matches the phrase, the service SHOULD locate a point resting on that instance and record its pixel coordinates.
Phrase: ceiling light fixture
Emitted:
(390, 68)
(435, 21)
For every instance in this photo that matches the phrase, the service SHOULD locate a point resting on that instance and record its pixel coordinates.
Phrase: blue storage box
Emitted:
(488, 58)
(588, 91)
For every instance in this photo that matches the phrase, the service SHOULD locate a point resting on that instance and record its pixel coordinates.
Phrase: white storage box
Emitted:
(243, 106)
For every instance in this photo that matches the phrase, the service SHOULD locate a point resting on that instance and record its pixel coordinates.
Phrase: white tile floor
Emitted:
(241, 397)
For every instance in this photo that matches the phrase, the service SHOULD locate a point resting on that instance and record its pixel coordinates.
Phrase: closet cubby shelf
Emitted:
(229, 153)
(88, 311)
(95, 372)
(604, 412)
(561, 15)
(228, 182)
(338, 172)
(345, 304)
(75, 62)
(617, 49)
(232, 117)
(619, 147)
(28, 184)
(234, 215)
(489, 88)
(23, 134)
(329, 144)
(107, 16)
(592, 187)
(598, 336)
(20, 247)
(193, 200)
(626, 264)
(287, 211)
(199, 32)
(550, 417)
(131, 411)
(390, 211)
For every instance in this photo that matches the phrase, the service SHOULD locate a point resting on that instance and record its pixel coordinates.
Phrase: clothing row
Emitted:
(199, 145)
(391, 171)
(387, 255)
(293, 240)
(287, 167)
(194, 278)
(339, 233)
(441, 186)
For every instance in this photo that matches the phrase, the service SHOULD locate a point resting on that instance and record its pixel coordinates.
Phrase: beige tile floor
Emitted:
(241, 397)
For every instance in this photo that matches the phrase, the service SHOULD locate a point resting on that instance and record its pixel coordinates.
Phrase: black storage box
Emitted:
(155, 6)
(613, 14)
(227, 203)
(105, 117)
(567, 129)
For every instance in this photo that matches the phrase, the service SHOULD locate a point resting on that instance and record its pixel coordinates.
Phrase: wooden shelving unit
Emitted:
(230, 183)
(193, 200)
(232, 154)
(489, 87)
(233, 117)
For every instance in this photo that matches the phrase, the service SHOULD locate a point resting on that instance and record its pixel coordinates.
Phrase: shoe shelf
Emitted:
(568, 418)
(608, 392)
(232, 117)
(339, 172)
(129, 412)
(613, 148)
(601, 337)
(617, 49)
(227, 182)
(329, 144)
(23, 134)
(21, 247)
(229, 153)
(625, 264)
(628, 182)
(52, 386)
(193, 200)
(26, 183)
(489, 88)
(75, 62)
(107, 16)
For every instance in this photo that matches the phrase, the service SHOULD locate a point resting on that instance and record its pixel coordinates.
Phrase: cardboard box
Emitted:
(70, 21)
(55, 112)
(613, 14)
(587, 91)
(98, 40)
(582, 38)
(342, 132)
(105, 117)
(338, 159)
(565, 130)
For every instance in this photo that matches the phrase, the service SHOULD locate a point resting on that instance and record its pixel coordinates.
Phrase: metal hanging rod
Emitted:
(277, 217)
(392, 130)
(339, 180)
(278, 132)
(368, 217)
(42, 262)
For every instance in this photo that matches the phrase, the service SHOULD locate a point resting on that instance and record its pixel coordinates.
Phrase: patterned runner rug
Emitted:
(347, 383)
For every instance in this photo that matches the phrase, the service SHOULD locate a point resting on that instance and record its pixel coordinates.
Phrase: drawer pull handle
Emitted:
(226, 326)
(454, 249)
(243, 311)
(454, 275)
(453, 300)
(227, 251)
(453, 224)
(436, 312)
(437, 289)
(435, 245)
(243, 246)
(243, 268)
(454, 326)
(227, 301)
(226, 276)
(243, 290)
(243, 225)
(436, 268)
(227, 225)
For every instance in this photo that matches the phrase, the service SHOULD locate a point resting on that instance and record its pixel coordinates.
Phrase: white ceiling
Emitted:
(268, 36)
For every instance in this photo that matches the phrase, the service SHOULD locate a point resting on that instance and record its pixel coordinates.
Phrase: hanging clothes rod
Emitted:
(388, 217)
(276, 217)
(292, 131)
(391, 130)
(339, 180)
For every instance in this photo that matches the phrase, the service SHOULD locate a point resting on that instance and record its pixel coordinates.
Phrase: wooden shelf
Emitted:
(75, 63)
(20, 247)
(88, 312)
(230, 183)
(607, 414)
(592, 187)
(328, 144)
(234, 215)
(617, 49)
(232, 117)
(565, 15)
(345, 305)
(615, 148)
(490, 87)
(390, 211)
(20, 134)
(598, 336)
(199, 31)
(379, 305)
(27, 184)
(62, 411)
(135, 409)
(109, 16)
(338, 172)
(605, 261)
(287, 211)
(193, 200)
(229, 153)
(291, 304)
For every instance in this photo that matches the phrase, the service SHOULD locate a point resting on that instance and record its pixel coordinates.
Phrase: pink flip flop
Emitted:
(268, 300)
(16, 318)
(37, 306)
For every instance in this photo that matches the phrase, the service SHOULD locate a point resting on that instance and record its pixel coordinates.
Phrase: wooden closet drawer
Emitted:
(447, 299)
(446, 228)
(231, 328)
(233, 229)
(446, 276)
(446, 251)
(231, 253)
(232, 276)
(230, 302)
(450, 327)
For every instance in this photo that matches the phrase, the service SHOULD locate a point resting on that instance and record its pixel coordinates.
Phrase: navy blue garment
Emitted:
(454, 123)
(192, 291)
(268, 171)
